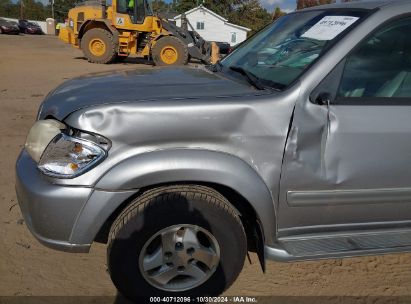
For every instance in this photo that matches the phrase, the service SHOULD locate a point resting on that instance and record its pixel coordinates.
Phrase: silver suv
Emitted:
(296, 146)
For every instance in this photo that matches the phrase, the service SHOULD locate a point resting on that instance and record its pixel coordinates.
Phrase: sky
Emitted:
(285, 5)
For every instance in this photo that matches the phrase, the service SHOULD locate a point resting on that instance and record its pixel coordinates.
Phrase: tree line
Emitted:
(248, 13)
(36, 10)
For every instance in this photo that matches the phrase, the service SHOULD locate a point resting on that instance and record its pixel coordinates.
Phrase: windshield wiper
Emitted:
(252, 79)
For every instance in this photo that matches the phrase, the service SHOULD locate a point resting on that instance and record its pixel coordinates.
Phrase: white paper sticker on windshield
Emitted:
(329, 27)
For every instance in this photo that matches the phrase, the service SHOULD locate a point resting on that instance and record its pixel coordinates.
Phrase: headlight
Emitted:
(68, 156)
(59, 154)
(40, 135)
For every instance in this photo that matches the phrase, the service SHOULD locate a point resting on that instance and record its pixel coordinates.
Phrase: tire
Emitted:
(1, 30)
(98, 46)
(120, 59)
(182, 209)
(169, 50)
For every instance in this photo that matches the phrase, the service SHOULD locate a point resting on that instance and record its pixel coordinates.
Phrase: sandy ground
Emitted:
(29, 68)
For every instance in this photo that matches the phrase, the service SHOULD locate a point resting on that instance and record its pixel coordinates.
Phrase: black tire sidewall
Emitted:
(107, 38)
(123, 257)
(175, 43)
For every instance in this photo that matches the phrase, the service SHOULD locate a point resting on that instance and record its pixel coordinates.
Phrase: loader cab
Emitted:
(138, 10)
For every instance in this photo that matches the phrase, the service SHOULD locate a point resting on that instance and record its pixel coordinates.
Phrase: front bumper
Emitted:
(65, 218)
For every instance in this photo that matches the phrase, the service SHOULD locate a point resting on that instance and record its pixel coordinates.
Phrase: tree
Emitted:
(309, 3)
(252, 15)
(31, 9)
(221, 7)
(61, 8)
(185, 5)
(34, 10)
(278, 13)
(225, 7)
(8, 9)
(160, 6)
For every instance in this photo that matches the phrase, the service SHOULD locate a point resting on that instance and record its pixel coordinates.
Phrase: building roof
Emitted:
(202, 7)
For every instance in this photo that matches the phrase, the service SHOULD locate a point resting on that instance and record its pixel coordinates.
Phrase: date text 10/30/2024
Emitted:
(234, 299)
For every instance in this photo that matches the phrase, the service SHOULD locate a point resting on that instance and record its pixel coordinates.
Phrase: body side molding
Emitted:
(348, 197)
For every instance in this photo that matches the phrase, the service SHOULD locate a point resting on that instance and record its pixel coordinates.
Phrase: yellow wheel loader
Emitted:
(106, 33)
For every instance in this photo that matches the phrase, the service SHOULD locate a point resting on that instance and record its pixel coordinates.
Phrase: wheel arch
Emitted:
(248, 216)
(225, 173)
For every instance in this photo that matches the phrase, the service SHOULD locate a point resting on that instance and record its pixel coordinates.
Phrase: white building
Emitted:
(213, 27)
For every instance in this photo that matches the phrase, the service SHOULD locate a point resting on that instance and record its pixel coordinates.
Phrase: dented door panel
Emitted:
(346, 165)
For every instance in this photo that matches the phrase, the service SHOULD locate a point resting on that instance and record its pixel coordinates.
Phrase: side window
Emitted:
(141, 11)
(200, 25)
(122, 6)
(233, 37)
(380, 67)
(135, 8)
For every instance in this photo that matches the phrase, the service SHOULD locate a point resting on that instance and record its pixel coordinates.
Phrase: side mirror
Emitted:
(323, 99)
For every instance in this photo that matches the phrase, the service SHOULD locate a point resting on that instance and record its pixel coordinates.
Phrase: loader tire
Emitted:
(98, 46)
(169, 50)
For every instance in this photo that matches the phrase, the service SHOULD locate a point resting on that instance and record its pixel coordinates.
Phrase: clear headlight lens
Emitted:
(67, 156)
(40, 135)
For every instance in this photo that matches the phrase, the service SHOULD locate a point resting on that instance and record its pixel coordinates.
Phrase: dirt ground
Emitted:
(29, 68)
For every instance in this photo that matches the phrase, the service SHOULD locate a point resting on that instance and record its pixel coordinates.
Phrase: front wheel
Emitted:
(176, 241)
(169, 50)
(98, 46)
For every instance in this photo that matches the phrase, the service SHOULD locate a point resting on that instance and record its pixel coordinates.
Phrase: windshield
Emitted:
(149, 8)
(280, 53)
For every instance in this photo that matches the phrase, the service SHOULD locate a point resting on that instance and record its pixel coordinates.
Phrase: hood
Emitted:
(139, 85)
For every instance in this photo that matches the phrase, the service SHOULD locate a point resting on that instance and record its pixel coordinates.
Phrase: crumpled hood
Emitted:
(138, 85)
